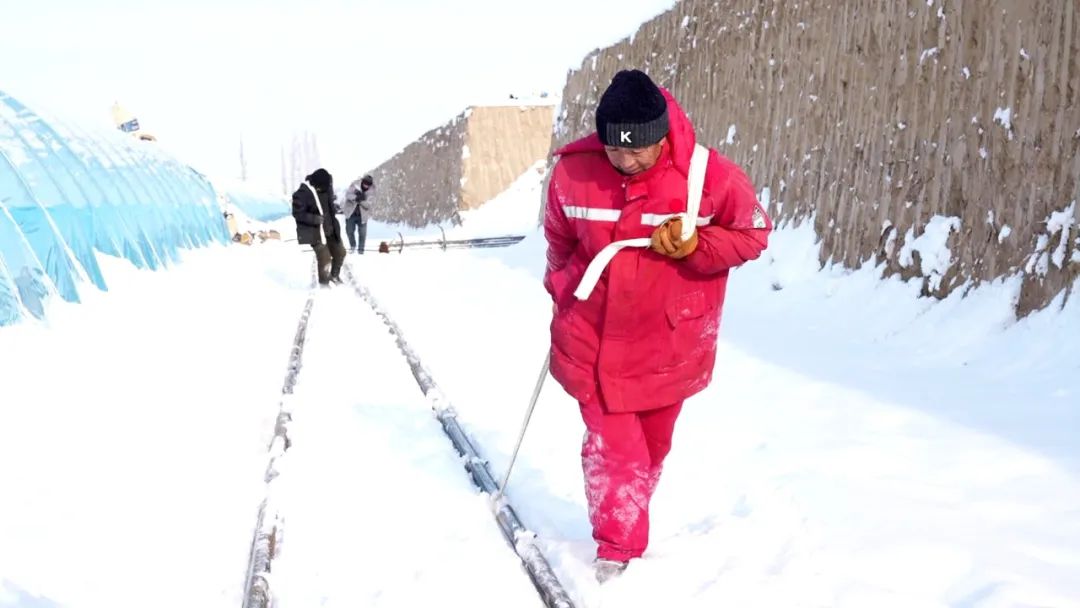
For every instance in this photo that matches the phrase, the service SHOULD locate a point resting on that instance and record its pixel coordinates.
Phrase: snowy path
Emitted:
(377, 509)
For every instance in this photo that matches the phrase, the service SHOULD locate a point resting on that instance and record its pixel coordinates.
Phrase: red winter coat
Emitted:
(646, 337)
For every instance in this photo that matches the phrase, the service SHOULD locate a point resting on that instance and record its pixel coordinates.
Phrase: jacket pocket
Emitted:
(570, 337)
(687, 320)
(685, 307)
(563, 283)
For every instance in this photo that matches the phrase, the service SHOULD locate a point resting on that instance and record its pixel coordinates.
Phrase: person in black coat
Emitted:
(316, 225)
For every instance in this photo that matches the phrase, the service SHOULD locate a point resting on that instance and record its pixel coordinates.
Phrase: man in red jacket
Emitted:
(645, 338)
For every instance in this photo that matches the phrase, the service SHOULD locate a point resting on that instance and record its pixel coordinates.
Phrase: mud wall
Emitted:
(462, 164)
(501, 143)
(875, 117)
(422, 183)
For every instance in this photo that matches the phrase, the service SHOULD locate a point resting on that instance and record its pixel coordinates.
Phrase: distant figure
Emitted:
(357, 209)
(313, 210)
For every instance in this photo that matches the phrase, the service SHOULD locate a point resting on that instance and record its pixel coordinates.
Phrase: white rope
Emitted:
(695, 183)
(524, 425)
(322, 232)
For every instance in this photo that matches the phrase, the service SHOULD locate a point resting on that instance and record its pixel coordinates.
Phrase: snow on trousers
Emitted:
(622, 456)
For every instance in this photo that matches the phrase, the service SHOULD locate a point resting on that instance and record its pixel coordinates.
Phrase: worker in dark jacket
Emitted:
(316, 225)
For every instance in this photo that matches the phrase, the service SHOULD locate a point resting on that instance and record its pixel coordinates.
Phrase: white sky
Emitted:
(366, 76)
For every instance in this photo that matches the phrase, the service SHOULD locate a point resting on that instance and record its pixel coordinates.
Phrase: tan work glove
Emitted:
(667, 240)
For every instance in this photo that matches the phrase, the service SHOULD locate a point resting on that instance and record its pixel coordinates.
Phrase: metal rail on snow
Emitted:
(267, 533)
(477, 243)
(520, 538)
(400, 245)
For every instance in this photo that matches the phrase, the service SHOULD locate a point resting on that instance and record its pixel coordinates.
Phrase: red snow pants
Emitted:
(621, 456)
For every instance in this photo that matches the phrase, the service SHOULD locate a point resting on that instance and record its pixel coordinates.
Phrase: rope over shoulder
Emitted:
(695, 185)
(322, 212)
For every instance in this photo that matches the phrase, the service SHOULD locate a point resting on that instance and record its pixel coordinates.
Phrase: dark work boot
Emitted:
(607, 569)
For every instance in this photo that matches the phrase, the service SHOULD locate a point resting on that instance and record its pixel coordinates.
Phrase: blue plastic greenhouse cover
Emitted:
(68, 195)
(257, 207)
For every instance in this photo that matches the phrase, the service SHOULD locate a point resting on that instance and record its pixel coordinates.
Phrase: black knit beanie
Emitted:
(632, 112)
(321, 180)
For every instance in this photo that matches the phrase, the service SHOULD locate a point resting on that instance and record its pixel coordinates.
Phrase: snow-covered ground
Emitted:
(859, 447)
(377, 508)
(133, 432)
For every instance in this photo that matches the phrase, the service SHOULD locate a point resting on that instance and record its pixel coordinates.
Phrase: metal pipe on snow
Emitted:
(520, 538)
